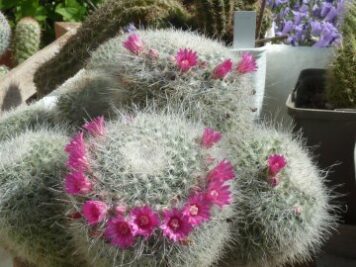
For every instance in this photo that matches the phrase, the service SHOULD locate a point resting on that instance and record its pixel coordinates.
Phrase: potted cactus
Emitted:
(324, 107)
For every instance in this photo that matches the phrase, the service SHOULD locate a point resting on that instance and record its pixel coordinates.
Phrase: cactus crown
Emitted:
(149, 171)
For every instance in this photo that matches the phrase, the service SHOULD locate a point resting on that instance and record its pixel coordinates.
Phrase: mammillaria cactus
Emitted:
(146, 210)
(283, 209)
(184, 191)
(341, 83)
(27, 39)
(168, 67)
(5, 34)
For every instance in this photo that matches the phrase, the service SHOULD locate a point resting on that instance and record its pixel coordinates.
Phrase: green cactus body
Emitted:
(341, 83)
(151, 160)
(27, 39)
(144, 81)
(283, 223)
(32, 221)
(5, 34)
(100, 26)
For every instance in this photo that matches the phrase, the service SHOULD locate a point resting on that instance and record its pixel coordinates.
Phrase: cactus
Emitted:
(127, 174)
(100, 26)
(142, 80)
(3, 70)
(281, 218)
(341, 82)
(214, 18)
(32, 221)
(27, 39)
(5, 34)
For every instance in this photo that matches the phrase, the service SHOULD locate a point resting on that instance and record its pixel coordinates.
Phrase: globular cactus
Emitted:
(167, 68)
(341, 82)
(32, 215)
(3, 70)
(103, 24)
(161, 163)
(284, 211)
(27, 39)
(5, 33)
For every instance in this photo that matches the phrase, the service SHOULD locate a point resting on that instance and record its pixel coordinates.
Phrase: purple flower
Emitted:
(328, 35)
(315, 27)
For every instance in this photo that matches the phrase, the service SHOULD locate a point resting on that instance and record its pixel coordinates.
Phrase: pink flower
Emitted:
(77, 183)
(94, 211)
(222, 69)
(134, 44)
(275, 164)
(197, 209)
(144, 221)
(175, 225)
(297, 211)
(224, 171)
(76, 149)
(247, 63)
(153, 53)
(218, 193)
(119, 232)
(96, 126)
(210, 137)
(186, 59)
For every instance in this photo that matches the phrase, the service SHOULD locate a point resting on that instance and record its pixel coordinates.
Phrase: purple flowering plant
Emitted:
(308, 22)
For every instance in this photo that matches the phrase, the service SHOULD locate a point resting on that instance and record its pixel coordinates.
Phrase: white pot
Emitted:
(284, 63)
(259, 77)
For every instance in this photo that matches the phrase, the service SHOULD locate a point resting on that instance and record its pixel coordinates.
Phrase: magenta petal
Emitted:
(219, 194)
(96, 127)
(224, 171)
(210, 137)
(144, 221)
(222, 69)
(94, 211)
(175, 225)
(134, 44)
(186, 59)
(275, 164)
(77, 183)
(197, 209)
(119, 232)
(247, 63)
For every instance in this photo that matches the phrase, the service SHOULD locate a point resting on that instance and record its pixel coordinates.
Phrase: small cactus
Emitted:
(5, 34)
(284, 211)
(215, 86)
(27, 39)
(341, 82)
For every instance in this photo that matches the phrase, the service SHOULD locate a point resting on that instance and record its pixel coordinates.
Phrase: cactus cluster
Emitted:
(281, 216)
(146, 79)
(211, 17)
(341, 83)
(5, 34)
(27, 39)
(125, 174)
(158, 90)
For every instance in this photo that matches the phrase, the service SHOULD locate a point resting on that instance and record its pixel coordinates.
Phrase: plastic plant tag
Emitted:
(244, 29)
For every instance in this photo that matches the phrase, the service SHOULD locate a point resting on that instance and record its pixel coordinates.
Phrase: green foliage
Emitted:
(341, 85)
(47, 12)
